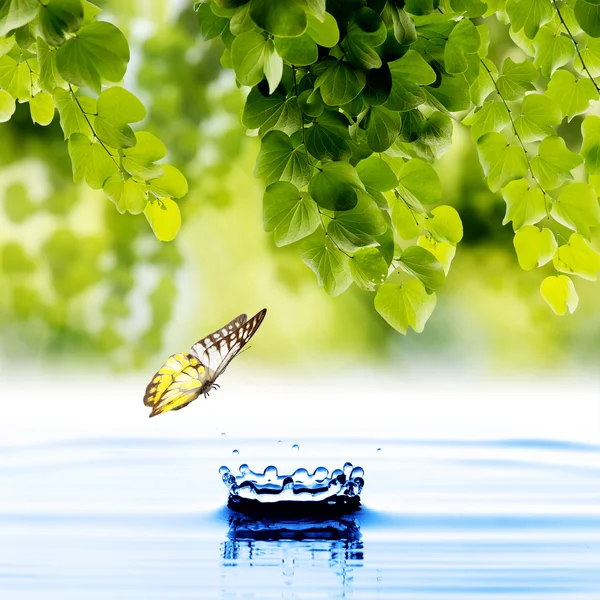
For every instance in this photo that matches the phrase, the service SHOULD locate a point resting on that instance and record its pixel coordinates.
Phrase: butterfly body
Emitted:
(185, 376)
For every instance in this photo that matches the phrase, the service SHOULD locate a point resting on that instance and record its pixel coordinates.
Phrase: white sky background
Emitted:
(356, 403)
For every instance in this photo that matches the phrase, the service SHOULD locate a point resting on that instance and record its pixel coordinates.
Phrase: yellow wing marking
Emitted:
(177, 383)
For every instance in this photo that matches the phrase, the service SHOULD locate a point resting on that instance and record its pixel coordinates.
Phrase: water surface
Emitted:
(441, 520)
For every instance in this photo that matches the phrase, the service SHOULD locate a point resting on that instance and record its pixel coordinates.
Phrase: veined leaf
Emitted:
(340, 83)
(552, 166)
(501, 161)
(116, 108)
(577, 258)
(290, 214)
(336, 186)
(443, 251)
(278, 159)
(444, 225)
(534, 247)
(406, 305)
(329, 265)
(539, 114)
(524, 205)
(368, 268)
(572, 95)
(422, 264)
(590, 149)
(516, 79)
(164, 217)
(577, 208)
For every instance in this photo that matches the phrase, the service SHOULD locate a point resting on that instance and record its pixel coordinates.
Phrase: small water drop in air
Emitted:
(378, 449)
(223, 433)
(235, 452)
(278, 442)
(295, 448)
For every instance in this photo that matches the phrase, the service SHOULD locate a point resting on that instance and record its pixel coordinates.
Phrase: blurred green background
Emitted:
(81, 283)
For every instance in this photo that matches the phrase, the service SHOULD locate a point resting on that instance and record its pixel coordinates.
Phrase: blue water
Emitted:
(127, 519)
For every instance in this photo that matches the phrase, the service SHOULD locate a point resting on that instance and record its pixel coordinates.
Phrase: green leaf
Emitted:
(464, 39)
(58, 18)
(71, 110)
(42, 108)
(587, 13)
(493, 116)
(138, 160)
(366, 31)
(128, 196)
(559, 293)
(335, 187)
(419, 183)
(409, 73)
(406, 305)
(516, 79)
(408, 224)
(577, 208)
(300, 51)
(423, 265)
(351, 229)
(590, 149)
(273, 67)
(329, 265)
(340, 83)
(211, 25)
(443, 251)
(534, 247)
(483, 84)
(378, 86)
(290, 214)
(98, 53)
(90, 161)
(116, 107)
(552, 166)
(552, 51)
(171, 184)
(375, 173)
(278, 159)
(590, 53)
(286, 19)
(15, 78)
(524, 205)
(368, 268)
(383, 127)
(50, 78)
(164, 218)
(453, 93)
(7, 106)
(501, 162)
(445, 225)
(325, 33)
(577, 258)
(16, 13)
(311, 103)
(528, 15)
(249, 52)
(328, 138)
(572, 95)
(539, 114)
(271, 112)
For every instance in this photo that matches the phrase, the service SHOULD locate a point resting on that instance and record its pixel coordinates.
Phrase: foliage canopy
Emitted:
(353, 102)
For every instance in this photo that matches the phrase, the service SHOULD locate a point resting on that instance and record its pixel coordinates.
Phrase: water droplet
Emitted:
(357, 472)
(270, 472)
(223, 470)
(235, 452)
(320, 473)
(295, 448)
(223, 433)
(278, 441)
(244, 469)
(378, 449)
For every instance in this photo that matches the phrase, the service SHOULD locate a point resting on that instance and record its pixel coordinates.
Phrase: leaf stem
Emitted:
(576, 46)
(85, 116)
(512, 122)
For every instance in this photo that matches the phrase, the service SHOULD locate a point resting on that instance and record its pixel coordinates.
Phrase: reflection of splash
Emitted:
(298, 553)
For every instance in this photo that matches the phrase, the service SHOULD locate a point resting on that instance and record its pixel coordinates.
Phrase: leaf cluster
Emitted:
(55, 54)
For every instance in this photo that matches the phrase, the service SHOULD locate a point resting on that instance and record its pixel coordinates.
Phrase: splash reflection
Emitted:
(294, 553)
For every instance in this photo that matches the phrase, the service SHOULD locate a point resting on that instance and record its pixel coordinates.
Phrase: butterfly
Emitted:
(184, 377)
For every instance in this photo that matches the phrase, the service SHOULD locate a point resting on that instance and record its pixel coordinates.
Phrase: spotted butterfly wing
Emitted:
(184, 377)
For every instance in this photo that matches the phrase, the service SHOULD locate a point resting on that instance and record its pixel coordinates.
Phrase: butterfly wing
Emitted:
(177, 383)
(227, 348)
(202, 348)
